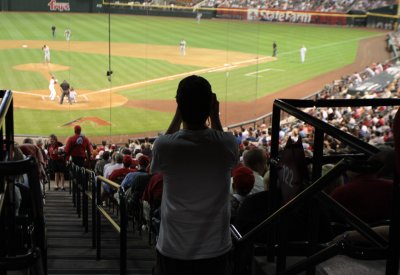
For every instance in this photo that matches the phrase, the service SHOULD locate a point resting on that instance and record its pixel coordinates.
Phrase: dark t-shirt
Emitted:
(64, 86)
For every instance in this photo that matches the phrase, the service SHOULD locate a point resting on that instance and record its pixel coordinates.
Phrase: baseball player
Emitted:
(73, 95)
(182, 47)
(67, 34)
(46, 51)
(303, 51)
(52, 89)
(198, 17)
(53, 31)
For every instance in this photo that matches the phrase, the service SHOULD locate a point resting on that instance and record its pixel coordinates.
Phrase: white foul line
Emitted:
(265, 70)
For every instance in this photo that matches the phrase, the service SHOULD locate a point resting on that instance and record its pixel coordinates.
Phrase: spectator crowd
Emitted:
(340, 6)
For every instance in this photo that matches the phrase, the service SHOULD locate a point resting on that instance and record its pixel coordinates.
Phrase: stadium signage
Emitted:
(284, 16)
(58, 6)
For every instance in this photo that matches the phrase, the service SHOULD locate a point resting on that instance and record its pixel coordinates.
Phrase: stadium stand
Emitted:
(343, 6)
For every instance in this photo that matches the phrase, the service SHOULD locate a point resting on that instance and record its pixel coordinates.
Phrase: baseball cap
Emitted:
(127, 160)
(77, 129)
(144, 161)
(243, 180)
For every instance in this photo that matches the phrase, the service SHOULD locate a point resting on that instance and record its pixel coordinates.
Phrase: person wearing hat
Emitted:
(243, 183)
(196, 163)
(118, 175)
(78, 147)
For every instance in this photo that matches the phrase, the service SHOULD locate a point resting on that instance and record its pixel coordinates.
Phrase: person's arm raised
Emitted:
(175, 123)
(214, 114)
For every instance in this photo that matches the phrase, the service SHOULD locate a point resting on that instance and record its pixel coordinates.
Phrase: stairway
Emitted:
(70, 248)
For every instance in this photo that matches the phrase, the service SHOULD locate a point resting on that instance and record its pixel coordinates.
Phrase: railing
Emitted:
(389, 249)
(121, 228)
(6, 125)
(86, 186)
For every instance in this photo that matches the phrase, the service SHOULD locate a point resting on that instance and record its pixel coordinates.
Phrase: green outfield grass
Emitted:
(329, 48)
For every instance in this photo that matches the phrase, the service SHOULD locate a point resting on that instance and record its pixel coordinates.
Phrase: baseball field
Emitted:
(143, 53)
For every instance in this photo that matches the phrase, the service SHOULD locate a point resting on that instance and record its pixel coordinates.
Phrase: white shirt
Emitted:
(46, 50)
(258, 183)
(195, 211)
(51, 84)
(109, 169)
(303, 51)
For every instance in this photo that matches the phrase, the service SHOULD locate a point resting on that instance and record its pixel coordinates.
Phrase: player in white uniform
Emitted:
(182, 47)
(52, 89)
(46, 51)
(67, 34)
(303, 51)
(73, 95)
(198, 17)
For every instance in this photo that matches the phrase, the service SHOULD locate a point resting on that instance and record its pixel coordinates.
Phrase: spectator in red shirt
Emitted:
(78, 147)
(57, 161)
(118, 175)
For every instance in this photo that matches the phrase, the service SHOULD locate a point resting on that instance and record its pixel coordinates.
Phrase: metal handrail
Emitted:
(5, 104)
(297, 200)
(7, 118)
(123, 223)
(85, 178)
(114, 185)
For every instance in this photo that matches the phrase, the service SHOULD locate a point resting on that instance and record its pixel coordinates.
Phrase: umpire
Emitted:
(65, 91)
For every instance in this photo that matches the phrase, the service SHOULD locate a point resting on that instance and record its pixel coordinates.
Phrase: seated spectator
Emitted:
(118, 175)
(104, 158)
(256, 159)
(107, 190)
(152, 196)
(144, 162)
(367, 195)
(243, 183)
(114, 166)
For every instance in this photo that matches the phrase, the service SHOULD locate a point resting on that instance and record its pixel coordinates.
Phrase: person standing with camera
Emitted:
(56, 154)
(196, 163)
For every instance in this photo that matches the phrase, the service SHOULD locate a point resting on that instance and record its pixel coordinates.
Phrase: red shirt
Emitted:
(52, 151)
(153, 189)
(78, 146)
(368, 198)
(118, 175)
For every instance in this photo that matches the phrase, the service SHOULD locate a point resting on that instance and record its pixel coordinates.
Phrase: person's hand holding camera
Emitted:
(214, 113)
